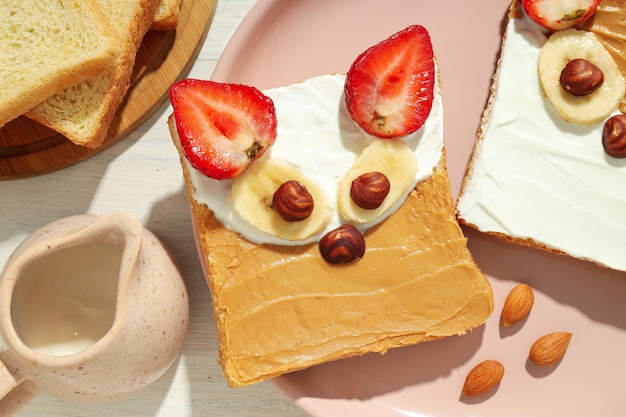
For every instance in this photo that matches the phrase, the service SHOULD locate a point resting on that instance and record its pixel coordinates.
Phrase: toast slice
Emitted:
(534, 179)
(166, 16)
(83, 113)
(281, 308)
(48, 46)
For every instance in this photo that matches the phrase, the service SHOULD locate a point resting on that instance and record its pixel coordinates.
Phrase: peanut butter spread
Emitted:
(609, 25)
(283, 308)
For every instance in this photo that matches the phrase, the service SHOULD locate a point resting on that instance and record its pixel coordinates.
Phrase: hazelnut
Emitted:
(614, 136)
(580, 77)
(292, 201)
(343, 244)
(369, 190)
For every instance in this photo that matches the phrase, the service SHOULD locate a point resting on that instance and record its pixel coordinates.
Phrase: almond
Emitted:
(517, 305)
(550, 348)
(483, 377)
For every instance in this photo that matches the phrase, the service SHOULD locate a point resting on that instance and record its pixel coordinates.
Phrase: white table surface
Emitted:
(142, 175)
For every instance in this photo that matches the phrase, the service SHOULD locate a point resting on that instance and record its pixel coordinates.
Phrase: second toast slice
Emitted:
(84, 112)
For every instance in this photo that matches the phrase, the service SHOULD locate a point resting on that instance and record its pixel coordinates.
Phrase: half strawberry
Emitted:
(389, 87)
(223, 128)
(559, 14)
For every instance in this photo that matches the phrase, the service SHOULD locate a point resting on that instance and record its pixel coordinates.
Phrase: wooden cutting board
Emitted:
(28, 148)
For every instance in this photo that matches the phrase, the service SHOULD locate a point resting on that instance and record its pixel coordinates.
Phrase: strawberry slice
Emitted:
(559, 14)
(223, 128)
(389, 87)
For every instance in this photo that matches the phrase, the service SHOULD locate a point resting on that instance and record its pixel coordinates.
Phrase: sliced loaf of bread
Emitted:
(48, 46)
(84, 112)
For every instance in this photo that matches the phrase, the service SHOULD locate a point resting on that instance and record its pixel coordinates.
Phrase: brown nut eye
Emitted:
(614, 136)
(369, 190)
(580, 77)
(343, 244)
(292, 201)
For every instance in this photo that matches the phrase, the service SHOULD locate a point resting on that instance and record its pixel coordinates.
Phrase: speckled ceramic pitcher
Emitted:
(91, 309)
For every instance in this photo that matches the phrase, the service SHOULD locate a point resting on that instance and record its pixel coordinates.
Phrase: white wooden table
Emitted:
(142, 175)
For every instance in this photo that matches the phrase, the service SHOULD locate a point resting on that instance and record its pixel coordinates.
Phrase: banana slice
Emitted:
(253, 192)
(391, 157)
(561, 48)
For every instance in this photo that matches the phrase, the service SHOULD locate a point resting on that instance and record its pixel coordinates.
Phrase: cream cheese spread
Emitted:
(317, 135)
(537, 177)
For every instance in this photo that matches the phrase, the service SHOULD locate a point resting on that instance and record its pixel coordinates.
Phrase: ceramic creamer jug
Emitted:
(91, 309)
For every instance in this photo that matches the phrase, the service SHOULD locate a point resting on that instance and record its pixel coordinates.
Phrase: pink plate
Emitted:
(285, 41)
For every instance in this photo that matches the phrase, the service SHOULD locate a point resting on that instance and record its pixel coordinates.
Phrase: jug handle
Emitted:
(15, 391)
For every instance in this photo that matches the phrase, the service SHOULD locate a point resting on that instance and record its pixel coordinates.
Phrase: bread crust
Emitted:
(30, 83)
(84, 112)
(166, 16)
(515, 11)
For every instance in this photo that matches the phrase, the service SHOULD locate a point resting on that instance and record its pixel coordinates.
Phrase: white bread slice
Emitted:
(283, 308)
(83, 112)
(533, 179)
(166, 16)
(48, 46)
(392, 309)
